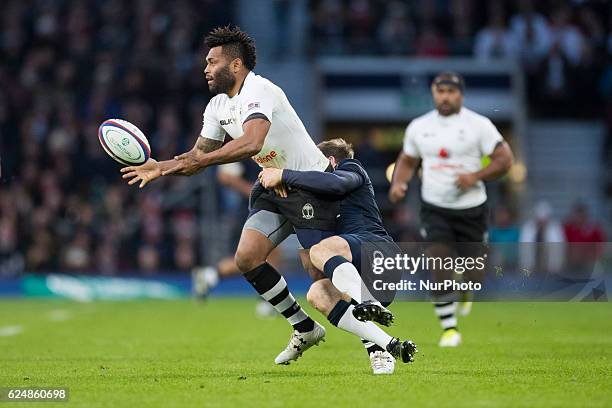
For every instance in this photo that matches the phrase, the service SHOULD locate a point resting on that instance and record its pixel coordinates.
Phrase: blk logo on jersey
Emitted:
(308, 211)
(443, 153)
(225, 122)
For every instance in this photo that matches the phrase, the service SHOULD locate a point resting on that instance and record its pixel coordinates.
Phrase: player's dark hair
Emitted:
(235, 43)
(338, 148)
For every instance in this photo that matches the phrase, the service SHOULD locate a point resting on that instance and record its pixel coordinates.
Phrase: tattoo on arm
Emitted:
(208, 145)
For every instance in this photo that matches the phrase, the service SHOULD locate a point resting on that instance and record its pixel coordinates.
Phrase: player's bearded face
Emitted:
(448, 99)
(222, 80)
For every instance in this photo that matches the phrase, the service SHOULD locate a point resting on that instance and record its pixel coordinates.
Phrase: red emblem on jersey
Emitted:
(443, 153)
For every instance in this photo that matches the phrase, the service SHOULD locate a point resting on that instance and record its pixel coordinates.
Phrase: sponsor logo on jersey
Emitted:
(447, 166)
(308, 211)
(225, 122)
(443, 153)
(265, 158)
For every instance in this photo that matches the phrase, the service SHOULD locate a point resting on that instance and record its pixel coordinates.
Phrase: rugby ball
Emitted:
(124, 142)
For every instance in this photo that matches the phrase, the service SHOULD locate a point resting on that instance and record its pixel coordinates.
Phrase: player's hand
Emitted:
(270, 178)
(188, 163)
(144, 173)
(281, 191)
(465, 181)
(397, 192)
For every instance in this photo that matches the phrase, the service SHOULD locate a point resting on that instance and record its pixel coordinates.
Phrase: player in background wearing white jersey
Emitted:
(449, 143)
(257, 115)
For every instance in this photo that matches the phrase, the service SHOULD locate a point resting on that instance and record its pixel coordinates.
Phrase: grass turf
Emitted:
(180, 353)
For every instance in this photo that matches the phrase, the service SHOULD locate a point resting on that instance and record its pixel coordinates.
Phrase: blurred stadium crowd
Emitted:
(65, 66)
(564, 46)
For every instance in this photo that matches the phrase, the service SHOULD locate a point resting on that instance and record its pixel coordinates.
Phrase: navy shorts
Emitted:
(380, 242)
(375, 246)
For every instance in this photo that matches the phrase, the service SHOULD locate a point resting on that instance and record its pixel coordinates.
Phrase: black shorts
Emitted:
(448, 225)
(303, 209)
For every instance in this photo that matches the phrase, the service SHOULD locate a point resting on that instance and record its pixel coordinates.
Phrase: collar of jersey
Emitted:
(347, 160)
(243, 82)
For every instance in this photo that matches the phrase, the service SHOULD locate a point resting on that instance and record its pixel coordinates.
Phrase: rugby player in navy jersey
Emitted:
(341, 297)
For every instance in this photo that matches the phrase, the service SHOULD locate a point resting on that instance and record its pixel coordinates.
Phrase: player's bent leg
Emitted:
(314, 273)
(328, 248)
(253, 250)
(333, 257)
(372, 310)
(262, 232)
(323, 298)
(380, 361)
(326, 298)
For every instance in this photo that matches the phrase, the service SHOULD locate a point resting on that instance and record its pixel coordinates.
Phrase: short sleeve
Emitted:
(258, 99)
(232, 169)
(410, 147)
(211, 129)
(489, 137)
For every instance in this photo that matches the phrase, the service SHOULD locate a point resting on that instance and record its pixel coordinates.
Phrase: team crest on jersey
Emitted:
(308, 211)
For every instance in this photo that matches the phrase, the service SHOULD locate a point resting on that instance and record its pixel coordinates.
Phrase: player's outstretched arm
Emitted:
(248, 145)
(405, 167)
(153, 169)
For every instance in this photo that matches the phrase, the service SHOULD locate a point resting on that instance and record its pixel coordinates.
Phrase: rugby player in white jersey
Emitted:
(256, 114)
(449, 142)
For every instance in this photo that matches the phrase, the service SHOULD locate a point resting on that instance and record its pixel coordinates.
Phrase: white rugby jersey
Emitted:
(449, 146)
(287, 146)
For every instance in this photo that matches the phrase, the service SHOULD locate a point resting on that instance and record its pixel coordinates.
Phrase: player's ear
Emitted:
(332, 161)
(236, 65)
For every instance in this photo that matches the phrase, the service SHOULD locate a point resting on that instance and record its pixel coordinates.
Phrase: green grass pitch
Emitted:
(182, 353)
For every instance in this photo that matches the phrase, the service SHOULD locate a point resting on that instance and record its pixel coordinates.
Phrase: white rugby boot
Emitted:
(299, 343)
(382, 362)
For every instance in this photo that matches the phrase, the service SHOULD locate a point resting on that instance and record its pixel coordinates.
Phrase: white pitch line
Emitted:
(10, 330)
